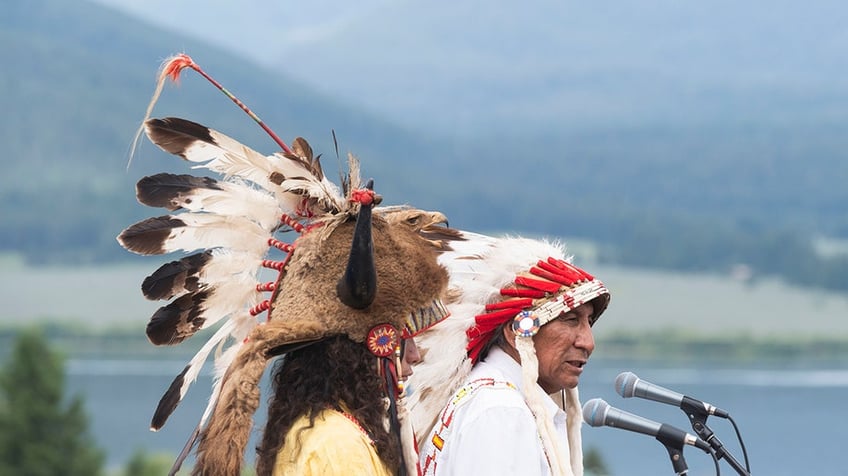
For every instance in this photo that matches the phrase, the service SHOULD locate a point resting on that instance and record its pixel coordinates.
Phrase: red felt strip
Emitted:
(531, 293)
(537, 284)
(513, 303)
(549, 267)
(564, 280)
(497, 317)
(557, 262)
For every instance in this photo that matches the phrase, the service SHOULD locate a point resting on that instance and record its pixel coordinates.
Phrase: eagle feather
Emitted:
(192, 231)
(205, 194)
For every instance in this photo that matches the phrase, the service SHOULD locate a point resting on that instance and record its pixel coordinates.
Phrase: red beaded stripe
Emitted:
(273, 264)
(294, 224)
(261, 307)
(280, 245)
(269, 286)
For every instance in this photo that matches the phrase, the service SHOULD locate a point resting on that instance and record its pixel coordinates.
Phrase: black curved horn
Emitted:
(358, 287)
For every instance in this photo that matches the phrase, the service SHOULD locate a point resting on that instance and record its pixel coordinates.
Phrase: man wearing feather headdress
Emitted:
(352, 289)
(510, 357)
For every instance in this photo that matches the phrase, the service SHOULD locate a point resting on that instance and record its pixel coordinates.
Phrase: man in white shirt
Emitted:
(526, 313)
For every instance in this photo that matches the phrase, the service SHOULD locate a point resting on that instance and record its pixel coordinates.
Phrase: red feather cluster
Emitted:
(555, 274)
(175, 65)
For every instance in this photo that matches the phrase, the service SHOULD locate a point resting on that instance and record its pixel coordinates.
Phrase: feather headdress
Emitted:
(349, 270)
(494, 281)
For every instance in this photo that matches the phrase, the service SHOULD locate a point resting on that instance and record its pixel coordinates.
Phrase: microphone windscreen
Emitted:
(625, 384)
(595, 412)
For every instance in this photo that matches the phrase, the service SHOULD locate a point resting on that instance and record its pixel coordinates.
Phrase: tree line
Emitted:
(43, 431)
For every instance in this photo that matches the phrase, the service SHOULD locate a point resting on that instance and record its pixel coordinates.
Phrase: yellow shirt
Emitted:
(334, 446)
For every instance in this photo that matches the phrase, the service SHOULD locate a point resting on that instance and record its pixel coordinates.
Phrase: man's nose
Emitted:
(585, 339)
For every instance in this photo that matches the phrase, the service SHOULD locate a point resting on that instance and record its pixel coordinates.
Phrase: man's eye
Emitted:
(567, 317)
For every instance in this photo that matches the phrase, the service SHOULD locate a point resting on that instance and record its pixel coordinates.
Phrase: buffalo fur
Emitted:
(223, 441)
(408, 278)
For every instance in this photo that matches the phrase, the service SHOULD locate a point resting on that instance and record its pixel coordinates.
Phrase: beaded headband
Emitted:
(551, 288)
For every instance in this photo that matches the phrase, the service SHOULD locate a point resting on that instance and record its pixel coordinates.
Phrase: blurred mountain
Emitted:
(480, 65)
(720, 109)
(675, 135)
(77, 79)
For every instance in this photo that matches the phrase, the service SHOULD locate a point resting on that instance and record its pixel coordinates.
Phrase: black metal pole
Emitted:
(673, 441)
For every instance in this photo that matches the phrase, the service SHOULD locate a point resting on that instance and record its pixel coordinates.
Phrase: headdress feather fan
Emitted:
(230, 225)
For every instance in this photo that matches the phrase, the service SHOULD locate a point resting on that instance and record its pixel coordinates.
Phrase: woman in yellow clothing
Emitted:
(335, 444)
(328, 413)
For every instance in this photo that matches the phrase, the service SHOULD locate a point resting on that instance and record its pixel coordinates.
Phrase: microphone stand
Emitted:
(698, 416)
(674, 446)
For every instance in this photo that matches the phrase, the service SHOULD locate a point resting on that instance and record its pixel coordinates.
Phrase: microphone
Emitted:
(597, 412)
(627, 384)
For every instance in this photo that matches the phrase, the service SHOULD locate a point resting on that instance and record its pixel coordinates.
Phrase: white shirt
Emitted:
(493, 432)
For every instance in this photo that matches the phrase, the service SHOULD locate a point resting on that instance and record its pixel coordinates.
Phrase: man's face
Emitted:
(563, 346)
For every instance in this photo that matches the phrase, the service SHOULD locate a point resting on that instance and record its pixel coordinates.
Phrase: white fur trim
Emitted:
(574, 416)
(534, 397)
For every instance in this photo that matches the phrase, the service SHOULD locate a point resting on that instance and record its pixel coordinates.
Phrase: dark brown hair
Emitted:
(320, 376)
(497, 340)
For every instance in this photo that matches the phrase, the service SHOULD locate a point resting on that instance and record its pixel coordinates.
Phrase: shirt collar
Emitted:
(512, 372)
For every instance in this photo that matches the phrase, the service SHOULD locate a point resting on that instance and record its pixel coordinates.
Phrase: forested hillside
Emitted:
(693, 195)
(77, 81)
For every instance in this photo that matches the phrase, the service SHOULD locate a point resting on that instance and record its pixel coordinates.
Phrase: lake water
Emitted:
(793, 418)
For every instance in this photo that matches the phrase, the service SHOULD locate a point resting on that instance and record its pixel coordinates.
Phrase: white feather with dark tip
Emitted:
(194, 231)
(197, 143)
(183, 317)
(205, 194)
(230, 222)
(197, 271)
(289, 177)
(237, 328)
(176, 277)
(222, 363)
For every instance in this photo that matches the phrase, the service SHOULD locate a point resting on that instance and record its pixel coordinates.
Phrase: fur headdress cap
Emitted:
(307, 291)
